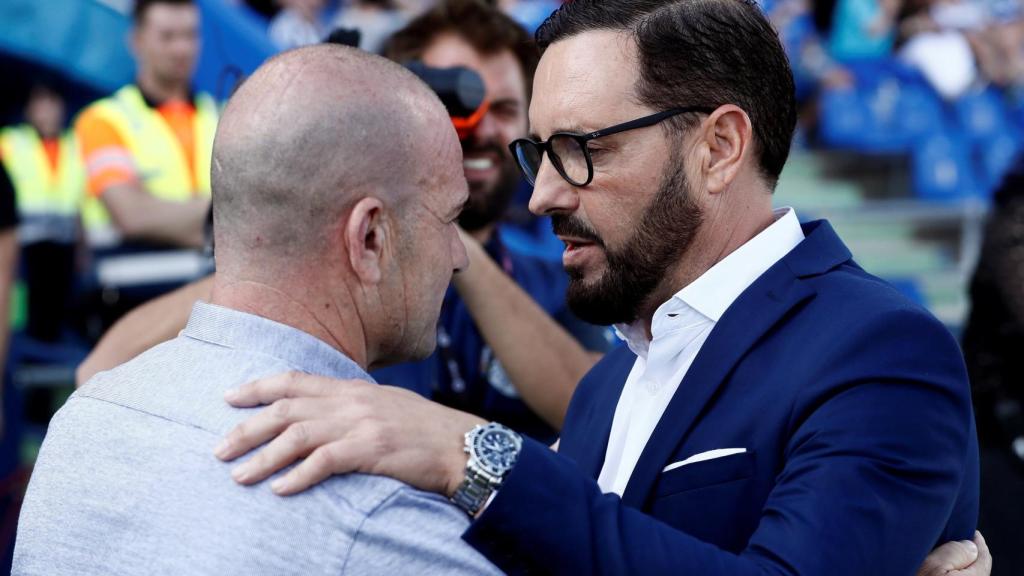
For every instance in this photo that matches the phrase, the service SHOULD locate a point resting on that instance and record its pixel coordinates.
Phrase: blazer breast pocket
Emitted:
(706, 473)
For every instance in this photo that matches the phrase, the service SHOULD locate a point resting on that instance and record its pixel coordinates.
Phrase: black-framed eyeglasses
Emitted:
(569, 152)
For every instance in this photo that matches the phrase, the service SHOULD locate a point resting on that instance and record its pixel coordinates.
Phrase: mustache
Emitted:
(566, 225)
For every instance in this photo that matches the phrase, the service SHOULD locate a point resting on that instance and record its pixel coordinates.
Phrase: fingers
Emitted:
(297, 441)
(338, 457)
(948, 557)
(286, 385)
(984, 563)
(263, 426)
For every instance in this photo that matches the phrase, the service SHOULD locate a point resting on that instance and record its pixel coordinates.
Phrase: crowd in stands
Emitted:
(938, 80)
(295, 23)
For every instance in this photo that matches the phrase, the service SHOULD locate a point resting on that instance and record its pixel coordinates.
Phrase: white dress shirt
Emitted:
(679, 328)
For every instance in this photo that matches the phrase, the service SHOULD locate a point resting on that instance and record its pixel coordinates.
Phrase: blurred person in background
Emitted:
(12, 472)
(863, 29)
(993, 345)
(297, 24)
(510, 362)
(935, 38)
(45, 166)
(961, 45)
(501, 353)
(843, 31)
(8, 271)
(999, 47)
(376, 21)
(147, 146)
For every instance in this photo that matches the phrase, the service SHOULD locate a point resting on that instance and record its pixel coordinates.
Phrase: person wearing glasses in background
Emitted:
(775, 410)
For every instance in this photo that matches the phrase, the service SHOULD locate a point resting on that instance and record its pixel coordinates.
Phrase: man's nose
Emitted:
(551, 193)
(487, 129)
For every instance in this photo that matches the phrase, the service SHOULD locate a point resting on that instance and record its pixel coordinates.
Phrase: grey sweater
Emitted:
(126, 482)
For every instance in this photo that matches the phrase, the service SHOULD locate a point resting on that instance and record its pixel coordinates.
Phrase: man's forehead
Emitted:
(584, 82)
(443, 193)
(444, 170)
(500, 71)
(164, 15)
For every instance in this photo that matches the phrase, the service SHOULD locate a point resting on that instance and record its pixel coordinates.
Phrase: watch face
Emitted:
(496, 449)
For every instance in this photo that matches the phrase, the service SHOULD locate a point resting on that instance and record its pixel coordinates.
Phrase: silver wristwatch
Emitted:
(493, 450)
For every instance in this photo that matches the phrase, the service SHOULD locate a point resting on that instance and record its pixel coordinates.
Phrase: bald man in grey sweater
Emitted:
(336, 181)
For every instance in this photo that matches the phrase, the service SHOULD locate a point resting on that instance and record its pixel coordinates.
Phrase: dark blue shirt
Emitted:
(465, 374)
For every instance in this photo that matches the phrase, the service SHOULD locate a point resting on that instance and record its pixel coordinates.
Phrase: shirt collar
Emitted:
(238, 330)
(719, 287)
(714, 291)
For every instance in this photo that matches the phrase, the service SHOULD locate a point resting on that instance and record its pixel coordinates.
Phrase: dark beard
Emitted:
(486, 207)
(665, 231)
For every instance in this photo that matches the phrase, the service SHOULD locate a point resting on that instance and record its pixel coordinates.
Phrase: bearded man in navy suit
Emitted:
(774, 410)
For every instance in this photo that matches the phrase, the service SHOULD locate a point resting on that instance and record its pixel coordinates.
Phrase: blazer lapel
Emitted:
(759, 308)
(589, 422)
(753, 314)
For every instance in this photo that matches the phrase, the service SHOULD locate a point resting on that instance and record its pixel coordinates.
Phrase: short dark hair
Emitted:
(700, 53)
(486, 28)
(143, 6)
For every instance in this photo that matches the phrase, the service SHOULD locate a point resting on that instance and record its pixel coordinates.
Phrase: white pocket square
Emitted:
(709, 455)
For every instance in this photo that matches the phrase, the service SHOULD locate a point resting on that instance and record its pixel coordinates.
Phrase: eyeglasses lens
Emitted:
(570, 156)
(529, 158)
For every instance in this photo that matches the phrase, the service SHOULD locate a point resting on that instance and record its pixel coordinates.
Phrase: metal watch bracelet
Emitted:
(474, 491)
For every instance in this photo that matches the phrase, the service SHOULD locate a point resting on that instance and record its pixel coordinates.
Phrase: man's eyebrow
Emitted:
(506, 102)
(571, 128)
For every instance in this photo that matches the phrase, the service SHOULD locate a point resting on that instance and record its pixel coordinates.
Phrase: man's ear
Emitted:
(729, 138)
(366, 235)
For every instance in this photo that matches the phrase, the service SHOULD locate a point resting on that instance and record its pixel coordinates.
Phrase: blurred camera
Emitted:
(460, 89)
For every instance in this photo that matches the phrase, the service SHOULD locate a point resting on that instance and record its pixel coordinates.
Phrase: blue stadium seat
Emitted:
(1016, 110)
(888, 111)
(988, 125)
(942, 168)
(843, 118)
(919, 110)
(982, 114)
(995, 158)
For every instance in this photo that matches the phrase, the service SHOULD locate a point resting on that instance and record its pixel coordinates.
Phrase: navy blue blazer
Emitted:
(853, 406)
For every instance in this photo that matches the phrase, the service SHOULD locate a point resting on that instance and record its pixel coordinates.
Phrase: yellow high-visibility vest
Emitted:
(159, 158)
(48, 201)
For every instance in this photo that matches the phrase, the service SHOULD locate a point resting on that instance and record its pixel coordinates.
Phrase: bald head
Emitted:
(337, 179)
(309, 134)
